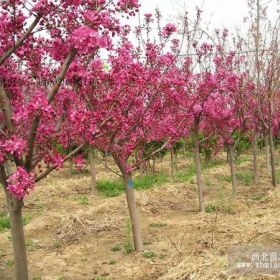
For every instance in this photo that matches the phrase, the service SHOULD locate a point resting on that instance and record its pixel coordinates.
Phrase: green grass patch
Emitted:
(246, 177)
(185, 175)
(114, 188)
(4, 221)
(82, 199)
(224, 178)
(210, 208)
(212, 163)
(149, 255)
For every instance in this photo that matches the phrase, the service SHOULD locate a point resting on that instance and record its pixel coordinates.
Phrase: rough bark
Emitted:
(198, 169)
(232, 169)
(133, 212)
(71, 168)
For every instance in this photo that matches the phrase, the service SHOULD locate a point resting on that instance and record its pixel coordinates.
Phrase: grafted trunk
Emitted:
(70, 167)
(133, 212)
(93, 170)
(272, 158)
(232, 169)
(172, 164)
(255, 161)
(198, 169)
(142, 169)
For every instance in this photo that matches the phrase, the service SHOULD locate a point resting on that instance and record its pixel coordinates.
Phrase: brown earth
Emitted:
(73, 238)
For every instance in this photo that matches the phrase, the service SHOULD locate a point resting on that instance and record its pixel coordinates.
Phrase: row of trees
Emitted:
(56, 91)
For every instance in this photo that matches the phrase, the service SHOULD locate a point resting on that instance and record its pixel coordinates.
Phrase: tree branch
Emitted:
(6, 108)
(51, 95)
(48, 171)
(20, 41)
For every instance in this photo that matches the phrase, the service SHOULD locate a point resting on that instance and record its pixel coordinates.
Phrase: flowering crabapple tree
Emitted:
(135, 91)
(41, 42)
(227, 113)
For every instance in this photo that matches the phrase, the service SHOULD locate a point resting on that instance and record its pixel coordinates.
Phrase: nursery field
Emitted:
(71, 234)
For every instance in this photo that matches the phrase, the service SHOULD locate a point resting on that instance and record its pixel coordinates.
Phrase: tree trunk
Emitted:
(142, 169)
(15, 214)
(20, 256)
(198, 169)
(232, 169)
(133, 212)
(93, 171)
(267, 151)
(255, 160)
(70, 167)
(172, 164)
(272, 158)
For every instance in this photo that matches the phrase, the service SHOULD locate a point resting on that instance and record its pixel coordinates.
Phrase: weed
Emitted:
(186, 175)
(82, 199)
(128, 246)
(116, 248)
(4, 221)
(222, 178)
(158, 225)
(149, 255)
(258, 196)
(112, 262)
(245, 177)
(115, 188)
(147, 242)
(9, 263)
(29, 242)
(210, 208)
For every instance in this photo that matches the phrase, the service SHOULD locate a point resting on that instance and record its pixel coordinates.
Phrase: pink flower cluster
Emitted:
(168, 30)
(20, 183)
(79, 162)
(15, 146)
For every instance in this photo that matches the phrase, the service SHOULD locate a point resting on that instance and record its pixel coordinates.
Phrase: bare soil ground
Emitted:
(73, 236)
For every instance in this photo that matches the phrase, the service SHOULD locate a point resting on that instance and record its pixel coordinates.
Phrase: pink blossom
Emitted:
(20, 183)
(168, 29)
(79, 162)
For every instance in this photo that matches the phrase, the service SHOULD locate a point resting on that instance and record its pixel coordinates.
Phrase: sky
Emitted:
(220, 13)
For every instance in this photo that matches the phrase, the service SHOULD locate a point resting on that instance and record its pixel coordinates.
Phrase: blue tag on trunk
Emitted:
(130, 183)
